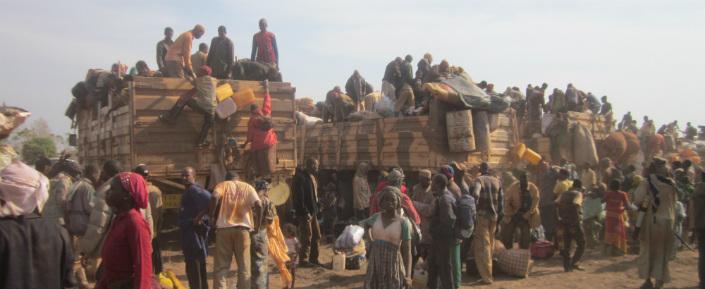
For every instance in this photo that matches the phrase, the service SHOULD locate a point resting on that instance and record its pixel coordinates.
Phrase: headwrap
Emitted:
(135, 185)
(22, 190)
(362, 169)
(448, 171)
(205, 70)
(392, 192)
(395, 177)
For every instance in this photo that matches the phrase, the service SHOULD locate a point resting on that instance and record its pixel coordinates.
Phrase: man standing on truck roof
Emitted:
(163, 47)
(221, 55)
(178, 56)
(357, 88)
(262, 137)
(264, 46)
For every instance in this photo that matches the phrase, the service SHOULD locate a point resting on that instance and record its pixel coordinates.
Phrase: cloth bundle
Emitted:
(351, 237)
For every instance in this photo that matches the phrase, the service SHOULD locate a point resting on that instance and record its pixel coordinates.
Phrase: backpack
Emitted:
(465, 216)
(78, 210)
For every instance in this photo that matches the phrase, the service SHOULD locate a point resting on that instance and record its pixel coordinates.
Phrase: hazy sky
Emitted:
(648, 56)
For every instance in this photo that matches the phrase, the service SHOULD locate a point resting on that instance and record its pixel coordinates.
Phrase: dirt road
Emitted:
(600, 272)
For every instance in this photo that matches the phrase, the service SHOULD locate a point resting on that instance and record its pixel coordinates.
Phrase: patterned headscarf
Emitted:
(448, 171)
(135, 185)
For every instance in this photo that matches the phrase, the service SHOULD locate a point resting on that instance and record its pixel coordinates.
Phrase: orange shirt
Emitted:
(181, 50)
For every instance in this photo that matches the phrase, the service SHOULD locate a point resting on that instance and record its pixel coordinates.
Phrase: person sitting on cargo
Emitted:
(144, 71)
(201, 99)
(262, 137)
(422, 69)
(221, 55)
(264, 46)
(392, 77)
(490, 89)
(200, 58)
(572, 97)
(592, 103)
(162, 47)
(338, 105)
(626, 120)
(178, 56)
(557, 102)
(357, 88)
(606, 111)
(690, 131)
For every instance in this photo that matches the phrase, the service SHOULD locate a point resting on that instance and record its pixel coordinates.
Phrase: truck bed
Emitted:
(133, 133)
(413, 143)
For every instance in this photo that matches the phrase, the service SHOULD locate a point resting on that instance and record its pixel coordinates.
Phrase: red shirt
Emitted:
(406, 203)
(127, 252)
(261, 139)
(265, 47)
(615, 202)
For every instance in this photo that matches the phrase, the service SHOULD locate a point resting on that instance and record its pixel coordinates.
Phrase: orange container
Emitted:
(244, 98)
(531, 156)
(518, 151)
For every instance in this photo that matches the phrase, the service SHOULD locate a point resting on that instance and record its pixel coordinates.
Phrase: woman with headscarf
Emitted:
(127, 251)
(395, 178)
(361, 190)
(390, 250)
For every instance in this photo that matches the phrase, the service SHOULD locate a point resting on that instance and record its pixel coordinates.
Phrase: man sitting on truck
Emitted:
(201, 99)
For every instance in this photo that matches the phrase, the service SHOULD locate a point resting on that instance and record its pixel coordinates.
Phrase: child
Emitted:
(292, 243)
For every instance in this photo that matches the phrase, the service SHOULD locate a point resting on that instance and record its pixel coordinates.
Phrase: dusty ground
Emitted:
(600, 272)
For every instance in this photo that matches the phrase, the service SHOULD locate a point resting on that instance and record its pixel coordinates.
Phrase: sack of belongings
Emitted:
(542, 249)
(305, 105)
(308, 121)
(515, 262)
(351, 236)
(584, 151)
(473, 97)
(481, 129)
(371, 99)
(384, 107)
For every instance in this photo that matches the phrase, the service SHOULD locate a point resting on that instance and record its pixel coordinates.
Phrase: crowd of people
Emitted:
(84, 225)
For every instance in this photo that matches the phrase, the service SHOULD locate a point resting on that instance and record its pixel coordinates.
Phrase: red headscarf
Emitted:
(205, 70)
(136, 186)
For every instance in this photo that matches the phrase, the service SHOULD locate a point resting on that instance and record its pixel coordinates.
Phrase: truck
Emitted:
(128, 129)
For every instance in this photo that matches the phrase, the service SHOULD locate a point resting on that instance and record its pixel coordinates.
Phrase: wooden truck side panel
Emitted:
(134, 134)
(409, 142)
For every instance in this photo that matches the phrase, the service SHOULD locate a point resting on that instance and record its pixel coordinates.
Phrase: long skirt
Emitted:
(385, 269)
(656, 248)
(615, 231)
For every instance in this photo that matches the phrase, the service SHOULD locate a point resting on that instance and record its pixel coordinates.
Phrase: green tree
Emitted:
(36, 147)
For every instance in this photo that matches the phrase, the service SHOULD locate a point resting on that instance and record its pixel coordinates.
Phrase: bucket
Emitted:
(244, 98)
(531, 156)
(223, 92)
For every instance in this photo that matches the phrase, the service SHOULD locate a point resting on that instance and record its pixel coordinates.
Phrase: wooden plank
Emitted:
(165, 102)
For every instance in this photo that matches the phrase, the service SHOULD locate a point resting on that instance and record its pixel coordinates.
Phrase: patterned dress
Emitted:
(385, 269)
